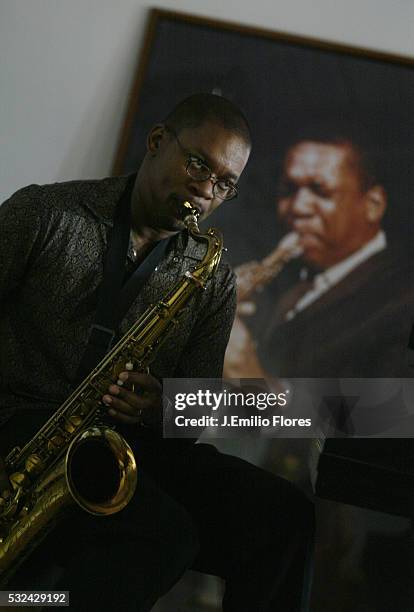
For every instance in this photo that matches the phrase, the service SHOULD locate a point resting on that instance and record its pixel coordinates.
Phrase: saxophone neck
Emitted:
(213, 239)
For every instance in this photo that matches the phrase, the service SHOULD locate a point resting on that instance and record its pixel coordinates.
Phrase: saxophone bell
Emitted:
(100, 471)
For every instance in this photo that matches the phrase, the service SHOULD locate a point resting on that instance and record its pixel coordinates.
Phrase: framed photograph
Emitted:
(281, 82)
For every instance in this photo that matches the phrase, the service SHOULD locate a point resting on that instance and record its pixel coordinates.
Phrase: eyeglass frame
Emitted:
(211, 177)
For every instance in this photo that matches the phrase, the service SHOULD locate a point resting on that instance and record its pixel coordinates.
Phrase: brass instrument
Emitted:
(60, 464)
(254, 275)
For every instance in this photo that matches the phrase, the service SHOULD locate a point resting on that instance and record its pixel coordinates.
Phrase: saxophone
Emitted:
(61, 463)
(251, 278)
(255, 275)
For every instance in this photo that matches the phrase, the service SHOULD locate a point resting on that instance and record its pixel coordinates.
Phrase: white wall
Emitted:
(66, 68)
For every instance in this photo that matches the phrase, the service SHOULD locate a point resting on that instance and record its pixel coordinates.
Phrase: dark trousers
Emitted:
(197, 509)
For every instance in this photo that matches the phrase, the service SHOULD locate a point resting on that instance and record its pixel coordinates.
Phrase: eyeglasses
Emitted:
(199, 171)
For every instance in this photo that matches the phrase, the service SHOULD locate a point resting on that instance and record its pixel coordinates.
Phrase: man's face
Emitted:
(322, 199)
(224, 152)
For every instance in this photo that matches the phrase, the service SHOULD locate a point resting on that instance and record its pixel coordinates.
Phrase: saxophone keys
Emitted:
(33, 464)
(72, 423)
(192, 277)
(88, 405)
(55, 442)
(18, 480)
(5, 495)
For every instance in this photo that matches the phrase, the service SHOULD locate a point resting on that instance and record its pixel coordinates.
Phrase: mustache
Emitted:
(305, 227)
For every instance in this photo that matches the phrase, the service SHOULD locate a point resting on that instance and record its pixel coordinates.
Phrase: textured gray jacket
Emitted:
(52, 246)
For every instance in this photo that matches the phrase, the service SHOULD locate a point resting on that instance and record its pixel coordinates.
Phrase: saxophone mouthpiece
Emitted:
(189, 209)
(190, 217)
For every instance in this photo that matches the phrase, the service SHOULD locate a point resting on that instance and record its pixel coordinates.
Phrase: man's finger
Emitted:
(121, 405)
(124, 418)
(130, 403)
(145, 381)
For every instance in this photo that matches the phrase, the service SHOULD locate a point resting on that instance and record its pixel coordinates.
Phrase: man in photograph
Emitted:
(343, 306)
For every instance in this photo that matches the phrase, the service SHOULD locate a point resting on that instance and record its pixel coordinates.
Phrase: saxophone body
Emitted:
(75, 456)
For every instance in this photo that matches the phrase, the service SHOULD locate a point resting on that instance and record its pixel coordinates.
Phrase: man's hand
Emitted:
(137, 401)
(241, 357)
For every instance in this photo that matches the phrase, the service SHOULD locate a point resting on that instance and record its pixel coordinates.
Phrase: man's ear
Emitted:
(155, 138)
(376, 203)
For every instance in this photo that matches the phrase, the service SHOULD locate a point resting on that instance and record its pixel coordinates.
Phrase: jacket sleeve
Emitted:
(21, 234)
(204, 352)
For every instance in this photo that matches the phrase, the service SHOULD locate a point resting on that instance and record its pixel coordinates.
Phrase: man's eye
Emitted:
(227, 185)
(287, 190)
(321, 190)
(197, 163)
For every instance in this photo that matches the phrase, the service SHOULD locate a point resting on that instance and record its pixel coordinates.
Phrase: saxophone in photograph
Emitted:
(253, 276)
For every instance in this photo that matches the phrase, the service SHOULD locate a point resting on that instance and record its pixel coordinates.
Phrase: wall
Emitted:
(67, 65)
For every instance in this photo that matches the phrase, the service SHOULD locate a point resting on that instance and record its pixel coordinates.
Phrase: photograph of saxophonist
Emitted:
(331, 299)
(193, 507)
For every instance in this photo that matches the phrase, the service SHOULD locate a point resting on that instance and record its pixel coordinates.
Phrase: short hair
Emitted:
(368, 154)
(198, 108)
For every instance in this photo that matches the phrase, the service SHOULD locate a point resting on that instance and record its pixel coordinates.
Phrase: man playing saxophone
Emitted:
(193, 507)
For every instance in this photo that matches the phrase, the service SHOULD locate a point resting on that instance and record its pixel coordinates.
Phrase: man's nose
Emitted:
(203, 189)
(302, 202)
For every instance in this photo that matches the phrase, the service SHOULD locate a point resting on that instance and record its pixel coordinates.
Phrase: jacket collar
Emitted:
(103, 196)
